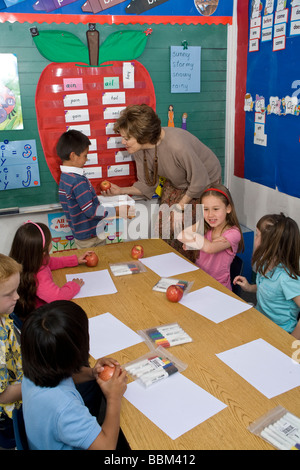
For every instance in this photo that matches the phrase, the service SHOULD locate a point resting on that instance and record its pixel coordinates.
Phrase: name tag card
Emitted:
(77, 115)
(78, 99)
(118, 170)
(84, 128)
(128, 75)
(109, 128)
(112, 113)
(94, 172)
(123, 156)
(114, 98)
(93, 145)
(114, 142)
(92, 159)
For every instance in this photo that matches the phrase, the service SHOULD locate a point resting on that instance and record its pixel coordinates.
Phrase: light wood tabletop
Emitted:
(139, 307)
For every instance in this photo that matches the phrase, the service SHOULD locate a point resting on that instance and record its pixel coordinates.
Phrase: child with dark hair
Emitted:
(76, 194)
(276, 261)
(55, 353)
(31, 248)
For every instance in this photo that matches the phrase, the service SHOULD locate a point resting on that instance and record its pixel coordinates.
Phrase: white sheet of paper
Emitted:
(175, 404)
(213, 304)
(108, 335)
(95, 283)
(168, 264)
(266, 368)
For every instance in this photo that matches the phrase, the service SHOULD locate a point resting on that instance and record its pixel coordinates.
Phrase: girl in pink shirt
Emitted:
(222, 238)
(31, 247)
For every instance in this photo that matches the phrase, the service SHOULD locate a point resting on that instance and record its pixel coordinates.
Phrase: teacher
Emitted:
(169, 152)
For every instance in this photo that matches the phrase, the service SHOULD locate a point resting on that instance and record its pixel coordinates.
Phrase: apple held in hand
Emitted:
(174, 293)
(137, 252)
(91, 259)
(105, 185)
(107, 373)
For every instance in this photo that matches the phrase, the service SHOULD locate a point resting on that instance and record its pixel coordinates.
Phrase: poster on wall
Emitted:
(185, 69)
(10, 97)
(18, 165)
(119, 11)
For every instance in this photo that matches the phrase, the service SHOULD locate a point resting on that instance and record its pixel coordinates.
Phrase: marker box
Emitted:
(279, 428)
(154, 366)
(123, 269)
(164, 282)
(165, 336)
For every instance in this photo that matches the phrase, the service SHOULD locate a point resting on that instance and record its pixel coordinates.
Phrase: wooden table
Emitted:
(139, 307)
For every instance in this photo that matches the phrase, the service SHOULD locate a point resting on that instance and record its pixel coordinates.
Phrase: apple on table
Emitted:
(174, 293)
(137, 252)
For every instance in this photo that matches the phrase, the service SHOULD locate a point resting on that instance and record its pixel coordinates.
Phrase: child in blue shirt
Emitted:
(55, 353)
(276, 259)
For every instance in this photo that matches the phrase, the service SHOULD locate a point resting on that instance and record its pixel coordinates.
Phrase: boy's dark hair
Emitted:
(71, 141)
(54, 343)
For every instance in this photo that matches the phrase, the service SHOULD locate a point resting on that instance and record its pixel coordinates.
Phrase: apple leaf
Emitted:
(61, 46)
(123, 45)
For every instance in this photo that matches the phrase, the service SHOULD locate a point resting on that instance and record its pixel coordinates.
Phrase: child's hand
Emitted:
(80, 282)
(190, 239)
(104, 361)
(81, 258)
(114, 388)
(242, 281)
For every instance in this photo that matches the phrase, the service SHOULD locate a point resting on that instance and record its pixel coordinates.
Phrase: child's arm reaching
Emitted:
(195, 241)
(242, 281)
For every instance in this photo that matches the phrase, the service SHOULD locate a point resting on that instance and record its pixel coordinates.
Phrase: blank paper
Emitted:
(213, 304)
(108, 335)
(175, 404)
(168, 264)
(269, 370)
(95, 283)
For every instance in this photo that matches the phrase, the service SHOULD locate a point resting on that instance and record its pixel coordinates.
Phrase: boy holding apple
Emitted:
(76, 194)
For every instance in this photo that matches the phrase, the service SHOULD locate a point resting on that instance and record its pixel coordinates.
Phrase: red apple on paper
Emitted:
(174, 293)
(107, 373)
(137, 252)
(91, 259)
(105, 185)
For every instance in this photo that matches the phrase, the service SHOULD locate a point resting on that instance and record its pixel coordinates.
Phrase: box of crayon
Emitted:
(165, 335)
(154, 366)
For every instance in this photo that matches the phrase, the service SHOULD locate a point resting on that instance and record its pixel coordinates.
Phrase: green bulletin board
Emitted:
(205, 110)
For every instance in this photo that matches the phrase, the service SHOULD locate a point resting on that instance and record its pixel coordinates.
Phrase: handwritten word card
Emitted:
(185, 69)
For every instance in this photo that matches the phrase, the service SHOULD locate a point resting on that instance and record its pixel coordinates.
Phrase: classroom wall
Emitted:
(252, 200)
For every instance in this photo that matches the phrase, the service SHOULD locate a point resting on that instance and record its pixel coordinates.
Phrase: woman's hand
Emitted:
(114, 190)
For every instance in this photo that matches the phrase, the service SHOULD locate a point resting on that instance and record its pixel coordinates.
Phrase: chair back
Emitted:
(236, 269)
(19, 429)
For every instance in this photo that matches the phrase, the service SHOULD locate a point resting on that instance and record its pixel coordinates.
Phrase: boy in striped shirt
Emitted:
(76, 194)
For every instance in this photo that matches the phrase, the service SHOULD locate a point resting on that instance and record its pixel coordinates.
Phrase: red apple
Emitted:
(107, 373)
(137, 252)
(91, 260)
(174, 293)
(105, 185)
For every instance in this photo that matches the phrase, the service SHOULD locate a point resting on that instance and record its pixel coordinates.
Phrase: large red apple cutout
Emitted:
(89, 98)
